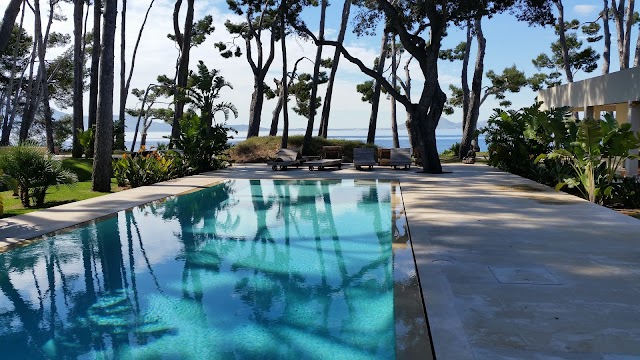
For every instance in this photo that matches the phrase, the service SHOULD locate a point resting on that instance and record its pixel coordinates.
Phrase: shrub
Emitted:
(204, 148)
(454, 150)
(625, 194)
(34, 170)
(140, 170)
(263, 148)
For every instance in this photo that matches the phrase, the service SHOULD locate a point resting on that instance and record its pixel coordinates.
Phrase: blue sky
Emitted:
(508, 42)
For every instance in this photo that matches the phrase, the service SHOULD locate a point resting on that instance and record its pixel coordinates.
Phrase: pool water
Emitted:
(240, 270)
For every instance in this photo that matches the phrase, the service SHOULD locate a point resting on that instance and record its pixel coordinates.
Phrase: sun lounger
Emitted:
(363, 157)
(286, 158)
(400, 157)
(331, 157)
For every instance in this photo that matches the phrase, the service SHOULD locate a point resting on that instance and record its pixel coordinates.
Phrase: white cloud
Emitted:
(585, 9)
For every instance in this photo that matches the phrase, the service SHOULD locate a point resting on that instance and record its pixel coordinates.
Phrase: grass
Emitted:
(55, 196)
(82, 167)
(60, 195)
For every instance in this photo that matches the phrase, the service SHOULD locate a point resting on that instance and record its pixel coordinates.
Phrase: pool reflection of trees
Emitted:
(101, 307)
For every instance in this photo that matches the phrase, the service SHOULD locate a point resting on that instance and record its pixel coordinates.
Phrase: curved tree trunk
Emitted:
(471, 120)
(255, 111)
(78, 77)
(7, 121)
(276, 112)
(31, 96)
(314, 87)
(104, 125)
(285, 85)
(375, 101)
(326, 107)
(183, 68)
(127, 84)
(8, 20)
(95, 67)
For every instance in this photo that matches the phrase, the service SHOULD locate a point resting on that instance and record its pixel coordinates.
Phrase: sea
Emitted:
(445, 138)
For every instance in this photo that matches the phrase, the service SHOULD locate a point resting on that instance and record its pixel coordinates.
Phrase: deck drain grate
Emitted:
(524, 275)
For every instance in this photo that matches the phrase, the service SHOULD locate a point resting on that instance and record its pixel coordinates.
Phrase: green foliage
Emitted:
(203, 89)
(600, 147)
(551, 148)
(204, 148)
(366, 89)
(140, 170)
(625, 194)
(516, 138)
(454, 54)
(85, 138)
(301, 90)
(200, 30)
(62, 130)
(579, 59)
(34, 170)
(454, 150)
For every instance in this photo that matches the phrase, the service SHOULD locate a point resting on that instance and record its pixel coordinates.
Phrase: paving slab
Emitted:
(509, 269)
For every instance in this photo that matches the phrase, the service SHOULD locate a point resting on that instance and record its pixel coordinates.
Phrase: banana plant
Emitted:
(617, 142)
(585, 158)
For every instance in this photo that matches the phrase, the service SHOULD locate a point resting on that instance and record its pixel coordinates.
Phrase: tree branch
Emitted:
(393, 92)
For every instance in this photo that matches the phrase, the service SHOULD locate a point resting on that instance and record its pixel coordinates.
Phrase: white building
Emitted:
(617, 92)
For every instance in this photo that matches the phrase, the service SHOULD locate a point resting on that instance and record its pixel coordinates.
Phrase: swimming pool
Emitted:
(242, 269)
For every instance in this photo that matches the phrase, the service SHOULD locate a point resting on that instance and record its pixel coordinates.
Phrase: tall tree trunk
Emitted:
(285, 85)
(276, 112)
(563, 41)
(606, 53)
(119, 125)
(255, 109)
(104, 124)
(471, 119)
(314, 87)
(375, 101)
(78, 78)
(8, 20)
(7, 123)
(183, 68)
(407, 92)
(281, 99)
(95, 67)
(31, 97)
(636, 60)
(465, 74)
(326, 107)
(127, 85)
(627, 36)
(394, 82)
(623, 18)
(142, 112)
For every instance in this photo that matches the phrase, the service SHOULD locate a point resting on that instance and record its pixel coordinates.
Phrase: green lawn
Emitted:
(62, 194)
(55, 197)
(82, 167)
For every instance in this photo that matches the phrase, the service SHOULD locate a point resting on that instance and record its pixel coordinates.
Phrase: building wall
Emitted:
(610, 89)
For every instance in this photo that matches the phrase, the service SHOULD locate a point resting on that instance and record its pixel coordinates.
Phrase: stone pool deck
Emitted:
(509, 269)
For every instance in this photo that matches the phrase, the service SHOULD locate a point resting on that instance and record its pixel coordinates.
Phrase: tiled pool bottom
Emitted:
(244, 269)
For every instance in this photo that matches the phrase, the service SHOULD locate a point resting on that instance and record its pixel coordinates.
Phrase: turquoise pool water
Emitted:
(244, 269)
